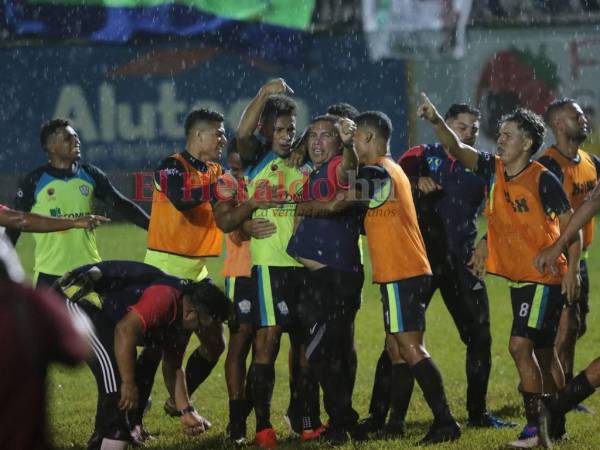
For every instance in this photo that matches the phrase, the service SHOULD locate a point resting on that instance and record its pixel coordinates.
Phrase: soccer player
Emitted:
(447, 198)
(584, 384)
(328, 248)
(183, 232)
(579, 172)
(402, 271)
(277, 277)
(65, 187)
(237, 268)
(526, 210)
(138, 304)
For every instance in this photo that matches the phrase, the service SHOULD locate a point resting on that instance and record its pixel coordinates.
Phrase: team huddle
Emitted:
(293, 209)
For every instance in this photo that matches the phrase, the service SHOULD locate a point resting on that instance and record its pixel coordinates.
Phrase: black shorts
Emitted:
(536, 312)
(240, 291)
(330, 295)
(277, 292)
(405, 303)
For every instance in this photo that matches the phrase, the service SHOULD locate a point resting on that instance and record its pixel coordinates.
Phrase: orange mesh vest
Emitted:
(518, 227)
(186, 233)
(395, 242)
(579, 179)
(237, 261)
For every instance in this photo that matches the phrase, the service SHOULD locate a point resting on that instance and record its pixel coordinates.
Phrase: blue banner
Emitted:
(129, 103)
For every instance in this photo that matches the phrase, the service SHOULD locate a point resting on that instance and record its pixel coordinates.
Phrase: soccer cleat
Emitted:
(370, 425)
(266, 438)
(139, 436)
(236, 433)
(334, 437)
(528, 438)
(581, 408)
(444, 432)
(311, 435)
(488, 420)
(393, 430)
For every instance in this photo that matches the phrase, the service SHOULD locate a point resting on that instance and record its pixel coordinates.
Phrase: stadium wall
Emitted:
(504, 68)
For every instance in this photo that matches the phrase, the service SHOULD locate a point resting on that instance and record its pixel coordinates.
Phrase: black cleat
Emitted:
(334, 437)
(370, 425)
(236, 433)
(393, 430)
(444, 432)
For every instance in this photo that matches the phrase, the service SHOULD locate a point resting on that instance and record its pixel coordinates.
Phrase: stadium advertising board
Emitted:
(128, 103)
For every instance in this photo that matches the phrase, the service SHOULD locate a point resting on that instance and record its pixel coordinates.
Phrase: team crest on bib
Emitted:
(245, 306)
(85, 190)
(283, 308)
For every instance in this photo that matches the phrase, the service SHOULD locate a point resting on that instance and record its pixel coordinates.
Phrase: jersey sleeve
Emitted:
(375, 185)
(170, 176)
(552, 165)
(554, 199)
(486, 166)
(109, 194)
(157, 306)
(24, 200)
(411, 161)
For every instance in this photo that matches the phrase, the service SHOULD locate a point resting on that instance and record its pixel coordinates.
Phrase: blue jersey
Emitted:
(448, 217)
(332, 241)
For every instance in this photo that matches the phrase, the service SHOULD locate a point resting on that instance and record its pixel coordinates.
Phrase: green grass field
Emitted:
(73, 392)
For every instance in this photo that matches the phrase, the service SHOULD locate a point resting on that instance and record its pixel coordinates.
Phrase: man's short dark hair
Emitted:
(49, 128)
(207, 294)
(556, 106)
(529, 123)
(461, 108)
(377, 120)
(343, 109)
(276, 106)
(201, 115)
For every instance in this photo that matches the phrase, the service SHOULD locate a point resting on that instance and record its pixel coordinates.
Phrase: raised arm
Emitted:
(349, 162)
(251, 115)
(466, 154)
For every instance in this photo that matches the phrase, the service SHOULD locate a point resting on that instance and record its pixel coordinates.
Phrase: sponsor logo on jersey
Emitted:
(245, 306)
(283, 308)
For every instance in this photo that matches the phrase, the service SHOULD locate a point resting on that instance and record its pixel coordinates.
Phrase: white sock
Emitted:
(112, 444)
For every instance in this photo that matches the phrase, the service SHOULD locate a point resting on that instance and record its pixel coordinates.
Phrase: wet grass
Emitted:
(73, 392)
